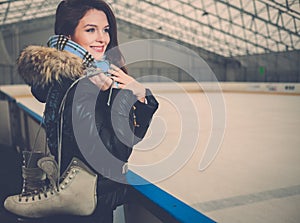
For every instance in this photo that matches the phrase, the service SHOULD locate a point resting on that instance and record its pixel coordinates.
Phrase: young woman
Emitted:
(103, 115)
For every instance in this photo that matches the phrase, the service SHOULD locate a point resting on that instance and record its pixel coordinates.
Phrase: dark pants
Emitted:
(110, 195)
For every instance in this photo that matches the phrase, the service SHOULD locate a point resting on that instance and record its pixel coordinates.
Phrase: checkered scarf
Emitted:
(61, 42)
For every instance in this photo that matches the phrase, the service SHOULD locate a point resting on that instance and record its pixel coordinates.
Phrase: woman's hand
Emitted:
(102, 81)
(124, 81)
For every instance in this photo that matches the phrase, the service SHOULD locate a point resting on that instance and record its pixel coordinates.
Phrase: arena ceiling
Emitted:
(225, 27)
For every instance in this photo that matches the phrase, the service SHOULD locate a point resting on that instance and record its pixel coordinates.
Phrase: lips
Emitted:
(98, 49)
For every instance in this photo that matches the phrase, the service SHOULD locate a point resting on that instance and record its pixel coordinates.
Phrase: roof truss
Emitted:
(225, 27)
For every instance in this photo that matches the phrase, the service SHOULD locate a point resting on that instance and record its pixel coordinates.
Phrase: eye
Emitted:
(91, 30)
(106, 30)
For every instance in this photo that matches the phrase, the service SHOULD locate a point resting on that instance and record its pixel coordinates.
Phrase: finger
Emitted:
(114, 67)
(117, 79)
(99, 77)
(118, 85)
(97, 81)
(113, 72)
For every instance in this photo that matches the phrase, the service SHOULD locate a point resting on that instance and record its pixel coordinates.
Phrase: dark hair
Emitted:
(69, 13)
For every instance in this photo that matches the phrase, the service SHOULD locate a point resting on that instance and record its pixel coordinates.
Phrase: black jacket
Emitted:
(99, 127)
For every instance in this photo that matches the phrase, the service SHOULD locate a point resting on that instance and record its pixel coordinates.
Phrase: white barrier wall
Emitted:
(240, 87)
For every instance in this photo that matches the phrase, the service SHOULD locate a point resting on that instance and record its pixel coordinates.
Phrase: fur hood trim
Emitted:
(41, 65)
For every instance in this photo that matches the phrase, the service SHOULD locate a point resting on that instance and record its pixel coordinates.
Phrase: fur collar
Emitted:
(39, 65)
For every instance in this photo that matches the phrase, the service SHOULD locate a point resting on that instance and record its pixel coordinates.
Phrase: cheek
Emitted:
(84, 41)
(80, 39)
(108, 38)
(107, 41)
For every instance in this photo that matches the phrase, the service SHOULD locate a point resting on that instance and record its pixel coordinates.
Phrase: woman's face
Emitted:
(92, 33)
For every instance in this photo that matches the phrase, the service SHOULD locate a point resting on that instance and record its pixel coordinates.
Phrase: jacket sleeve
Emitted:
(143, 113)
(105, 135)
(40, 92)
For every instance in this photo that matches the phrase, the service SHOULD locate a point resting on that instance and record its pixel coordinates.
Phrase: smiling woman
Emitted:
(91, 123)
(92, 33)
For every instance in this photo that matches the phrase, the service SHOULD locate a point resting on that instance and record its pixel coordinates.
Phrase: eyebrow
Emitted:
(93, 25)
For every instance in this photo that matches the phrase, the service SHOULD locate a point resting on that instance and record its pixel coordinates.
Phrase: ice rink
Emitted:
(255, 176)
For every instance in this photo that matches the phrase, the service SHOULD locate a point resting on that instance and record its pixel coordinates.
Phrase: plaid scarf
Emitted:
(61, 42)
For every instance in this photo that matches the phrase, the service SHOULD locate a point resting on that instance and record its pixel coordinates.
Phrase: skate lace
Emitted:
(39, 194)
(49, 190)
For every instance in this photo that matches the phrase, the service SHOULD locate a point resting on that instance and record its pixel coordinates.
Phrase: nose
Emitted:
(100, 37)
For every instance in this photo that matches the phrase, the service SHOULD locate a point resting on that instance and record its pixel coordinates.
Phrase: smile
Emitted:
(99, 49)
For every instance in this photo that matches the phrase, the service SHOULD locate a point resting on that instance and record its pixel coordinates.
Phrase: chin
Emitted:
(98, 57)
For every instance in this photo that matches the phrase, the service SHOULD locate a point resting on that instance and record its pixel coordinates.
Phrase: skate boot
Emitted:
(34, 178)
(75, 195)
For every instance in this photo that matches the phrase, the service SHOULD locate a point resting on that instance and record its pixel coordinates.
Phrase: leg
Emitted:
(110, 195)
